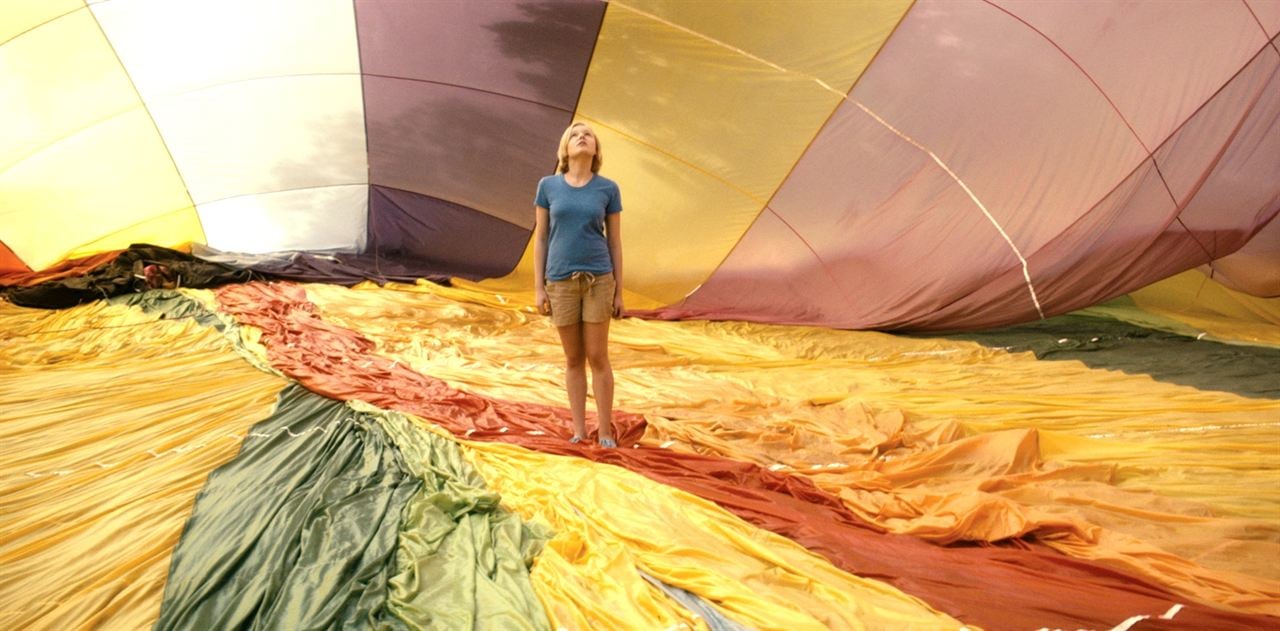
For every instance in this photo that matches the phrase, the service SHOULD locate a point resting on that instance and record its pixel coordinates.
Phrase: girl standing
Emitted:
(578, 270)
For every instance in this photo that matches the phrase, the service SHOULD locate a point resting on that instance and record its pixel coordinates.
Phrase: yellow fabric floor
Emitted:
(939, 439)
(112, 419)
(605, 518)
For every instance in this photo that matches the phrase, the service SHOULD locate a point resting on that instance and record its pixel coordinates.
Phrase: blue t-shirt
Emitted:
(575, 239)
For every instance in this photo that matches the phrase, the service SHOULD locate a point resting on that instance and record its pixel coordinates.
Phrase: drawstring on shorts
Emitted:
(584, 277)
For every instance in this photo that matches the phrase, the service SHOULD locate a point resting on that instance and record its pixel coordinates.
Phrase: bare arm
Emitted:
(541, 217)
(613, 226)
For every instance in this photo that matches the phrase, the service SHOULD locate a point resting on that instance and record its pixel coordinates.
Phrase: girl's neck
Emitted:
(579, 171)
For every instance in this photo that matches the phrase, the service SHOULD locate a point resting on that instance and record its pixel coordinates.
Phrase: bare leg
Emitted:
(596, 344)
(575, 375)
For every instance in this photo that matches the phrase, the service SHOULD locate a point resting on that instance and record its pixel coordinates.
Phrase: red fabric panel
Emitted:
(1019, 586)
(74, 267)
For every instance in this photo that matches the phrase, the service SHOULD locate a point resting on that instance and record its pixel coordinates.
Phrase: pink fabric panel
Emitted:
(1238, 193)
(1268, 13)
(1090, 262)
(1229, 152)
(1014, 118)
(893, 242)
(1223, 166)
(1004, 109)
(1156, 62)
(748, 286)
(898, 238)
(1255, 268)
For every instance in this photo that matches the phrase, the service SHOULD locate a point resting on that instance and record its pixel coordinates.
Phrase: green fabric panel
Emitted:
(171, 305)
(298, 531)
(174, 305)
(459, 561)
(463, 561)
(1125, 309)
(1102, 342)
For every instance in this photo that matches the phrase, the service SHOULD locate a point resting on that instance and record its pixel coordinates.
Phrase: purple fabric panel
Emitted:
(442, 236)
(346, 269)
(474, 149)
(1156, 61)
(536, 51)
(465, 101)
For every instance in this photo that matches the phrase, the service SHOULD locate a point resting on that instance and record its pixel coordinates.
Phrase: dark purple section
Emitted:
(343, 268)
(441, 236)
(474, 149)
(465, 101)
(533, 50)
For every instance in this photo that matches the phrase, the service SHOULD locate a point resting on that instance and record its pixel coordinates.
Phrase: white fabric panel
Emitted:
(267, 136)
(254, 98)
(330, 218)
(174, 46)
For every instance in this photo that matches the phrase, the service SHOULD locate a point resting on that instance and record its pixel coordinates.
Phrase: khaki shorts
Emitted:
(581, 298)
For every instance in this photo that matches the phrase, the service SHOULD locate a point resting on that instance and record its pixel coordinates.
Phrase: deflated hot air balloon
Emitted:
(926, 165)
(396, 454)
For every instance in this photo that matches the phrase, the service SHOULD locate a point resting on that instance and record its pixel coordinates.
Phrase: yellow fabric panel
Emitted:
(830, 41)
(90, 161)
(164, 229)
(109, 433)
(940, 439)
(605, 518)
(577, 595)
(125, 184)
(1205, 304)
(18, 16)
(674, 92)
(57, 80)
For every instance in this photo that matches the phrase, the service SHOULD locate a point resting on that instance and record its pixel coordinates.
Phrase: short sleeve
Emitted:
(615, 201)
(540, 200)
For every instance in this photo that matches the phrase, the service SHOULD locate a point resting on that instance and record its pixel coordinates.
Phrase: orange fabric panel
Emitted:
(10, 263)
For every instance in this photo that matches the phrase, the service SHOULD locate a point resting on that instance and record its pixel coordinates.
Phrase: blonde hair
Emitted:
(562, 154)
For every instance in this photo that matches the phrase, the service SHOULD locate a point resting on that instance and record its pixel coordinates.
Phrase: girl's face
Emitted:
(582, 141)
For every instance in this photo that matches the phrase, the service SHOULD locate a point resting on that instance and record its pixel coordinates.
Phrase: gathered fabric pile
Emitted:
(318, 456)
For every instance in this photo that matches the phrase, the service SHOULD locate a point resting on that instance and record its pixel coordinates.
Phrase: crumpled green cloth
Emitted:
(335, 517)
(463, 562)
(297, 532)
(322, 522)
